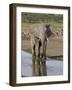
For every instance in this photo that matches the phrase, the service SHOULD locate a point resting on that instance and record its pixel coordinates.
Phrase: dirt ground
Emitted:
(54, 47)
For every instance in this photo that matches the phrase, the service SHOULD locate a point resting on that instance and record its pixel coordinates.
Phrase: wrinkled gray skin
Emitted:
(39, 46)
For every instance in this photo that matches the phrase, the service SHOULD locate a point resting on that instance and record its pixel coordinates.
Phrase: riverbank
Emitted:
(54, 47)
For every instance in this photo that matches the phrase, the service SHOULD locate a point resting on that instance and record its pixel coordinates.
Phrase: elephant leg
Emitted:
(38, 72)
(43, 59)
(33, 61)
(44, 49)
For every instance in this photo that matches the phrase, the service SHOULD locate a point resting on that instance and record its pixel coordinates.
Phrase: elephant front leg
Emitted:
(44, 49)
(33, 61)
(38, 72)
(43, 59)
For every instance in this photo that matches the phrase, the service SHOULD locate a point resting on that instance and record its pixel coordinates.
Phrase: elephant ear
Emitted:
(48, 31)
(40, 42)
(47, 26)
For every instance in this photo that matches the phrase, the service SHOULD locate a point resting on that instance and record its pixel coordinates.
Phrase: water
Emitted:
(54, 67)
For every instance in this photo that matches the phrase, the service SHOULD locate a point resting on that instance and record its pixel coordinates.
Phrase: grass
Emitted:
(41, 18)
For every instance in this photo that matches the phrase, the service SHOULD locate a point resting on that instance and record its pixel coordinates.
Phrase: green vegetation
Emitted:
(41, 18)
(56, 20)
